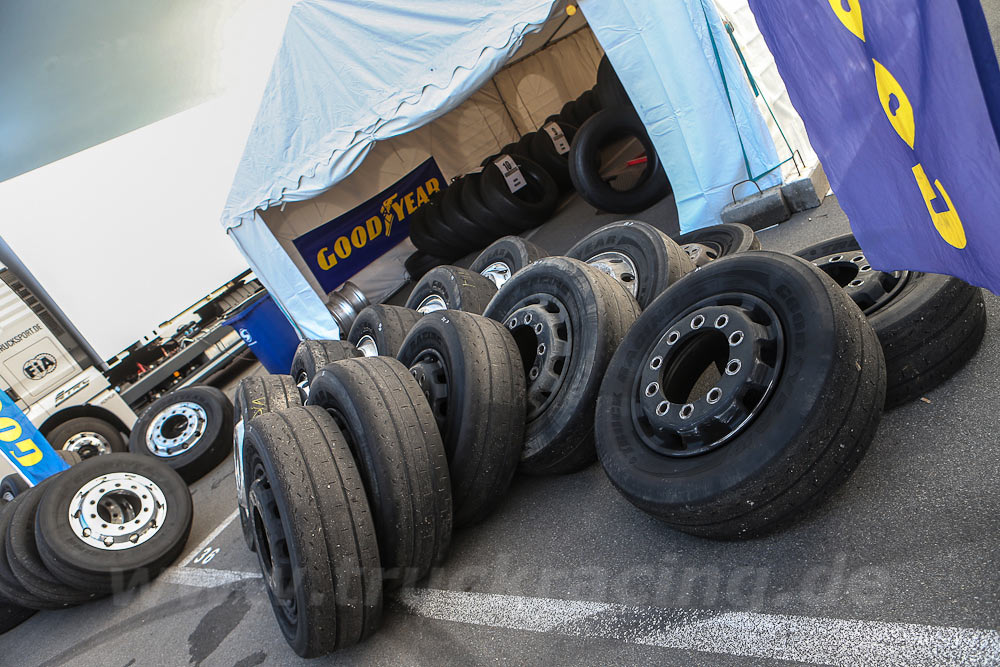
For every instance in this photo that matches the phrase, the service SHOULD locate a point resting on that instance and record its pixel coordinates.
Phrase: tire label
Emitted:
(558, 138)
(511, 172)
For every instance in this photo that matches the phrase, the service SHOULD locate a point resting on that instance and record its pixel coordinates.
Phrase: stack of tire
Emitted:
(105, 525)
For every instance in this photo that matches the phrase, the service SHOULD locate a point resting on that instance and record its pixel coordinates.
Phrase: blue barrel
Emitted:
(268, 333)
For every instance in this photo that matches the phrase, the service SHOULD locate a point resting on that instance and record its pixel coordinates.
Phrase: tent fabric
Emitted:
(665, 58)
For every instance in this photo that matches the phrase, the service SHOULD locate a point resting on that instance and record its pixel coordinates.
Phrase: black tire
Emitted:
(603, 128)
(307, 497)
(312, 355)
(583, 314)
(531, 205)
(12, 616)
(256, 395)
(477, 209)
(609, 89)
(24, 559)
(395, 441)
(544, 152)
(480, 413)
(586, 106)
(930, 325)
(86, 566)
(456, 223)
(505, 257)
(803, 377)
(567, 114)
(68, 457)
(11, 589)
(206, 448)
(710, 243)
(657, 262)
(457, 288)
(419, 263)
(106, 437)
(426, 233)
(12, 486)
(382, 327)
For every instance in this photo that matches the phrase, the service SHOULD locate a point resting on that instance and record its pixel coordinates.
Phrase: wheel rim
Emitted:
(709, 375)
(542, 329)
(702, 253)
(432, 303)
(273, 552)
(176, 429)
(367, 346)
(619, 266)
(498, 272)
(870, 289)
(88, 444)
(117, 511)
(431, 374)
(302, 382)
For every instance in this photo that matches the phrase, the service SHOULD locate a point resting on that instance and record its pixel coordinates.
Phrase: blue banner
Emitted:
(901, 104)
(23, 445)
(338, 249)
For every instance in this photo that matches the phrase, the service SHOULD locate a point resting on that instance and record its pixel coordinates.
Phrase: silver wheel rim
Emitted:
(432, 304)
(88, 441)
(176, 429)
(367, 346)
(619, 266)
(117, 511)
(498, 272)
(302, 382)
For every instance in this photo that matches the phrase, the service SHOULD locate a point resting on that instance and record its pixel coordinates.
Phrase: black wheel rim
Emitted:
(273, 552)
(869, 288)
(703, 252)
(709, 375)
(431, 374)
(543, 332)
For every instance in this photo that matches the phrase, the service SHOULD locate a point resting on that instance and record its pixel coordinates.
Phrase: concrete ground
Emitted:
(899, 567)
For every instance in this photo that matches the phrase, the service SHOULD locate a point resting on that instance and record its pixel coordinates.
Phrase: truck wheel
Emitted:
(930, 325)
(419, 263)
(10, 588)
(12, 486)
(469, 368)
(87, 436)
(710, 243)
(741, 398)
(451, 288)
(312, 355)
(505, 257)
(68, 457)
(640, 258)
(380, 329)
(529, 206)
(256, 395)
(567, 319)
(395, 441)
(23, 556)
(188, 429)
(316, 541)
(138, 523)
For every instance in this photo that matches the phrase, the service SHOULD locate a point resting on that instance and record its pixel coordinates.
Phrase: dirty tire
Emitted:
(787, 448)
(583, 315)
(307, 497)
(395, 441)
(11, 486)
(505, 257)
(481, 413)
(419, 263)
(930, 326)
(454, 287)
(385, 327)
(710, 243)
(61, 436)
(312, 355)
(10, 588)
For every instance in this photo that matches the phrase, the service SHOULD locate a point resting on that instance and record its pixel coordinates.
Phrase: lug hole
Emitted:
(673, 337)
(527, 318)
(662, 407)
(652, 388)
(655, 362)
(721, 321)
(687, 410)
(714, 394)
(697, 321)
(856, 283)
(512, 323)
(736, 338)
(733, 367)
(836, 258)
(538, 328)
(541, 349)
(533, 373)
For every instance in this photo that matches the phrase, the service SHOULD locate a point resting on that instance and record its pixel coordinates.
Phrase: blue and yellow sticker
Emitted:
(23, 445)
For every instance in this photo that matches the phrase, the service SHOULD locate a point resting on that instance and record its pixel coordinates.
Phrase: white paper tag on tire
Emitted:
(511, 172)
(558, 138)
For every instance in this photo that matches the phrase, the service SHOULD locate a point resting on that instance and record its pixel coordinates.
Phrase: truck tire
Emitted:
(543, 151)
(12, 486)
(188, 429)
(930, 325)
(710, 243)
(11, 589)
(609, 89)
(469, 368)
(380, 329)
(529, 206)
(505, 257)
(586, 106)
(640, 258)
(427, 235)
(476, 207)
(458, 223)
(256, 395)
(741, 398)
(12, 615)
(395, 441)
(419, 263)
(317, 548)
(87, 436)
(161, 500)
(312, 355)
(453, 288)
(567, 319)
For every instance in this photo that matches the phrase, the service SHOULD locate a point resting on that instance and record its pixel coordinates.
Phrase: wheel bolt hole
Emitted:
(512, 323)
(836, 258)
(687, 411)
(538, 328)
(856, 283)
(541, 349)
(697, 321)
(652, 388)
(733, 367)
(655, 362)
(736, 338)
(627, 277)
(662, 407)
(866, 267)
(527, 318)
(533, 373)
(673, 337)
(714, 394)
(721, 321)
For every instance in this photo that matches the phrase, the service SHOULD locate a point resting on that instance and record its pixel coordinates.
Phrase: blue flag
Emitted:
(23, 445)
(901, 99)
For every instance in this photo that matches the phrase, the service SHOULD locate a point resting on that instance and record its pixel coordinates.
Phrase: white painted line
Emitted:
(208, 540)
(828, 641)
(205, 577)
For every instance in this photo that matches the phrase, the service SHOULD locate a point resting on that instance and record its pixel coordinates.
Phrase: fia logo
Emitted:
(39, 366)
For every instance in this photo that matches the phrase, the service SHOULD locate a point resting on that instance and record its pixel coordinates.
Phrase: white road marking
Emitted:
(828, 641)
(208, 540)
(205, 577)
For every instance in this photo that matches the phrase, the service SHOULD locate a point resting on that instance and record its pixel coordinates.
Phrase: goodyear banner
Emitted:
(901, 99)
(338, 249)
(22, 444)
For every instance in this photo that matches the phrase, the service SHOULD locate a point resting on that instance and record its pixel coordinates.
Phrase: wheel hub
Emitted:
(302, 383)
(176, 429)
(88, 444)
(544, 338)
(432, 303)
(708, 375)
(702, 253)
(367, 346)
(272, 543)
(619, 266)
(117, 511)
(870, 289)
(431, 374)
(498, 272)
